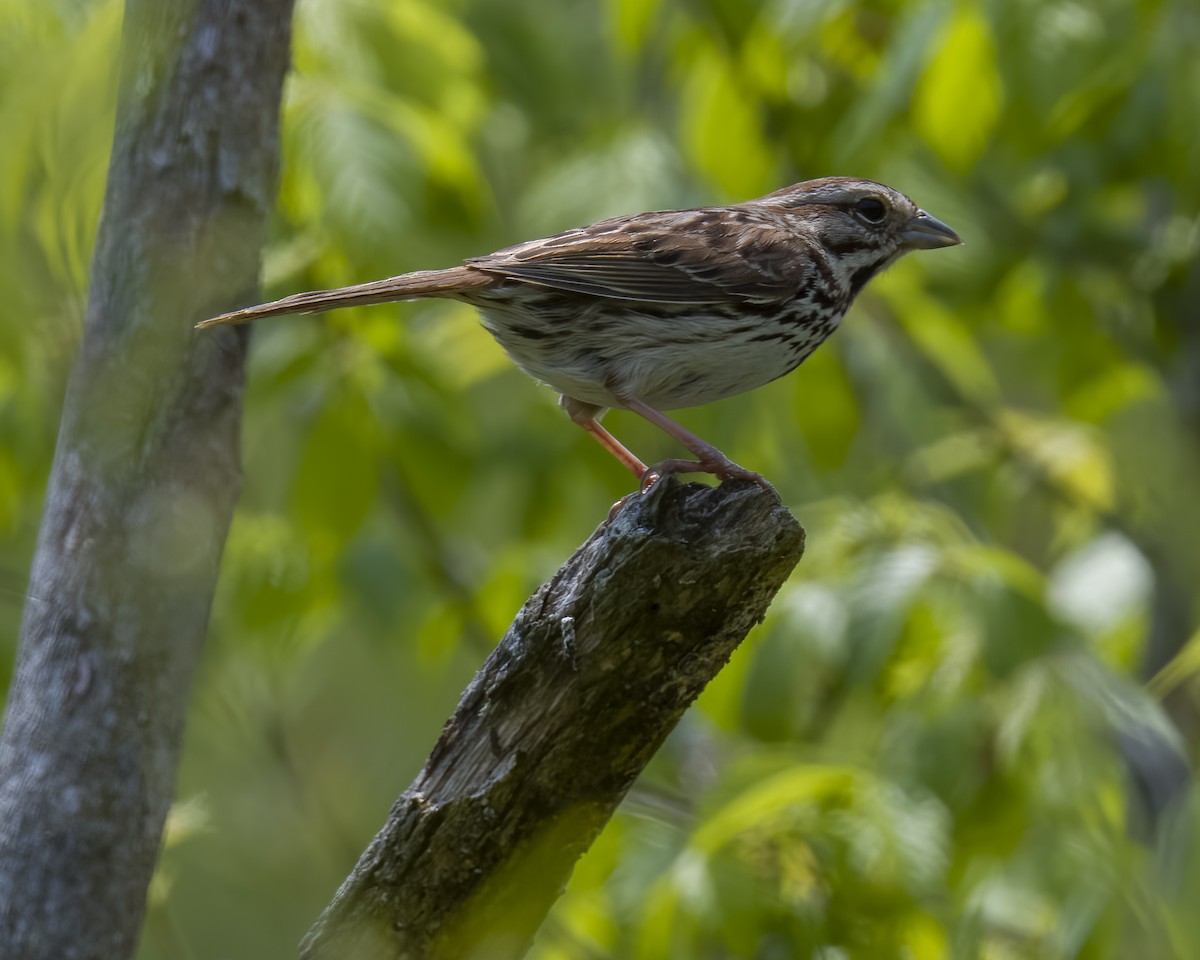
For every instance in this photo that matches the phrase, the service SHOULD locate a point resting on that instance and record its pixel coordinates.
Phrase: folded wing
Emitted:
(689, 256)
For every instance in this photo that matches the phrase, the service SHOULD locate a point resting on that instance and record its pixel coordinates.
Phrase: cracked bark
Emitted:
(145, 477)
(593, 674)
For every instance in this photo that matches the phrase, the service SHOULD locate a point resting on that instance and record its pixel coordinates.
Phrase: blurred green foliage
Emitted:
(996, 460)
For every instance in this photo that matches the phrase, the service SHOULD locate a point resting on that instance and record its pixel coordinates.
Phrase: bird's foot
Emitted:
(723, 469)
(720, 466)
(667, 467)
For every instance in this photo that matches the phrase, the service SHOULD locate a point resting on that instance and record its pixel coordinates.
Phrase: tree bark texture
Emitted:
(593, 674)
(145, 477)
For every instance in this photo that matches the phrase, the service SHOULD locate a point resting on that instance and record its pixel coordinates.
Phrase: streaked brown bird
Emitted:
(677, 308)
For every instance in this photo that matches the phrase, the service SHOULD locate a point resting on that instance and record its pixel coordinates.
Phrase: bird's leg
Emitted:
(615, 447)
(587, 415)
(708, 458)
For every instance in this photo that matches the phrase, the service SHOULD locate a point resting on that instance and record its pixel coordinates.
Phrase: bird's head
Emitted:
(861, 224)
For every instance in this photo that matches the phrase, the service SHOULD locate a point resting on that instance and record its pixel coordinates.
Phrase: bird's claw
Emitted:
(723, 469)
(667, 467)
(731, 471)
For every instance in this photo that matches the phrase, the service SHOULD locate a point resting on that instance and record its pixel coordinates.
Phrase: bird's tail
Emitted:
(407, 286)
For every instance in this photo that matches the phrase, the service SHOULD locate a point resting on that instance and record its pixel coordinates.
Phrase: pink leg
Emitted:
(615, 447)
(586, 414)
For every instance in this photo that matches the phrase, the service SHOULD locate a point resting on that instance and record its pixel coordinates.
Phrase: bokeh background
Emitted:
(963, 729)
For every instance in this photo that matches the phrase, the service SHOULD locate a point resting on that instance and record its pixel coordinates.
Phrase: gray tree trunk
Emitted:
(145, 477)
(593, 674)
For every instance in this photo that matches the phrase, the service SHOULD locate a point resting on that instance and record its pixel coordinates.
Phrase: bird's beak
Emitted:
(924, 232)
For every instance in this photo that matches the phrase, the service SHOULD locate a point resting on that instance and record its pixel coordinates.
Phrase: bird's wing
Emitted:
(693, 256)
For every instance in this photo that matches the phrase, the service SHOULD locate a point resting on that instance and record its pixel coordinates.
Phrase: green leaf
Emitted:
(957, 103)
(773, 797)
(722, 127)
(338, 473)
(942, 336)
(633, 20)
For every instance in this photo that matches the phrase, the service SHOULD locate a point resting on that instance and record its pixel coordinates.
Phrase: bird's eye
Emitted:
(871, 209)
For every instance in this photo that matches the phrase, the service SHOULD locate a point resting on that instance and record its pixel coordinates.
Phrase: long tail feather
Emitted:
(408, 286)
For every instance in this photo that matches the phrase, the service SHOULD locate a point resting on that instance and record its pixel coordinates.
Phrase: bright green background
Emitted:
(996, 461)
